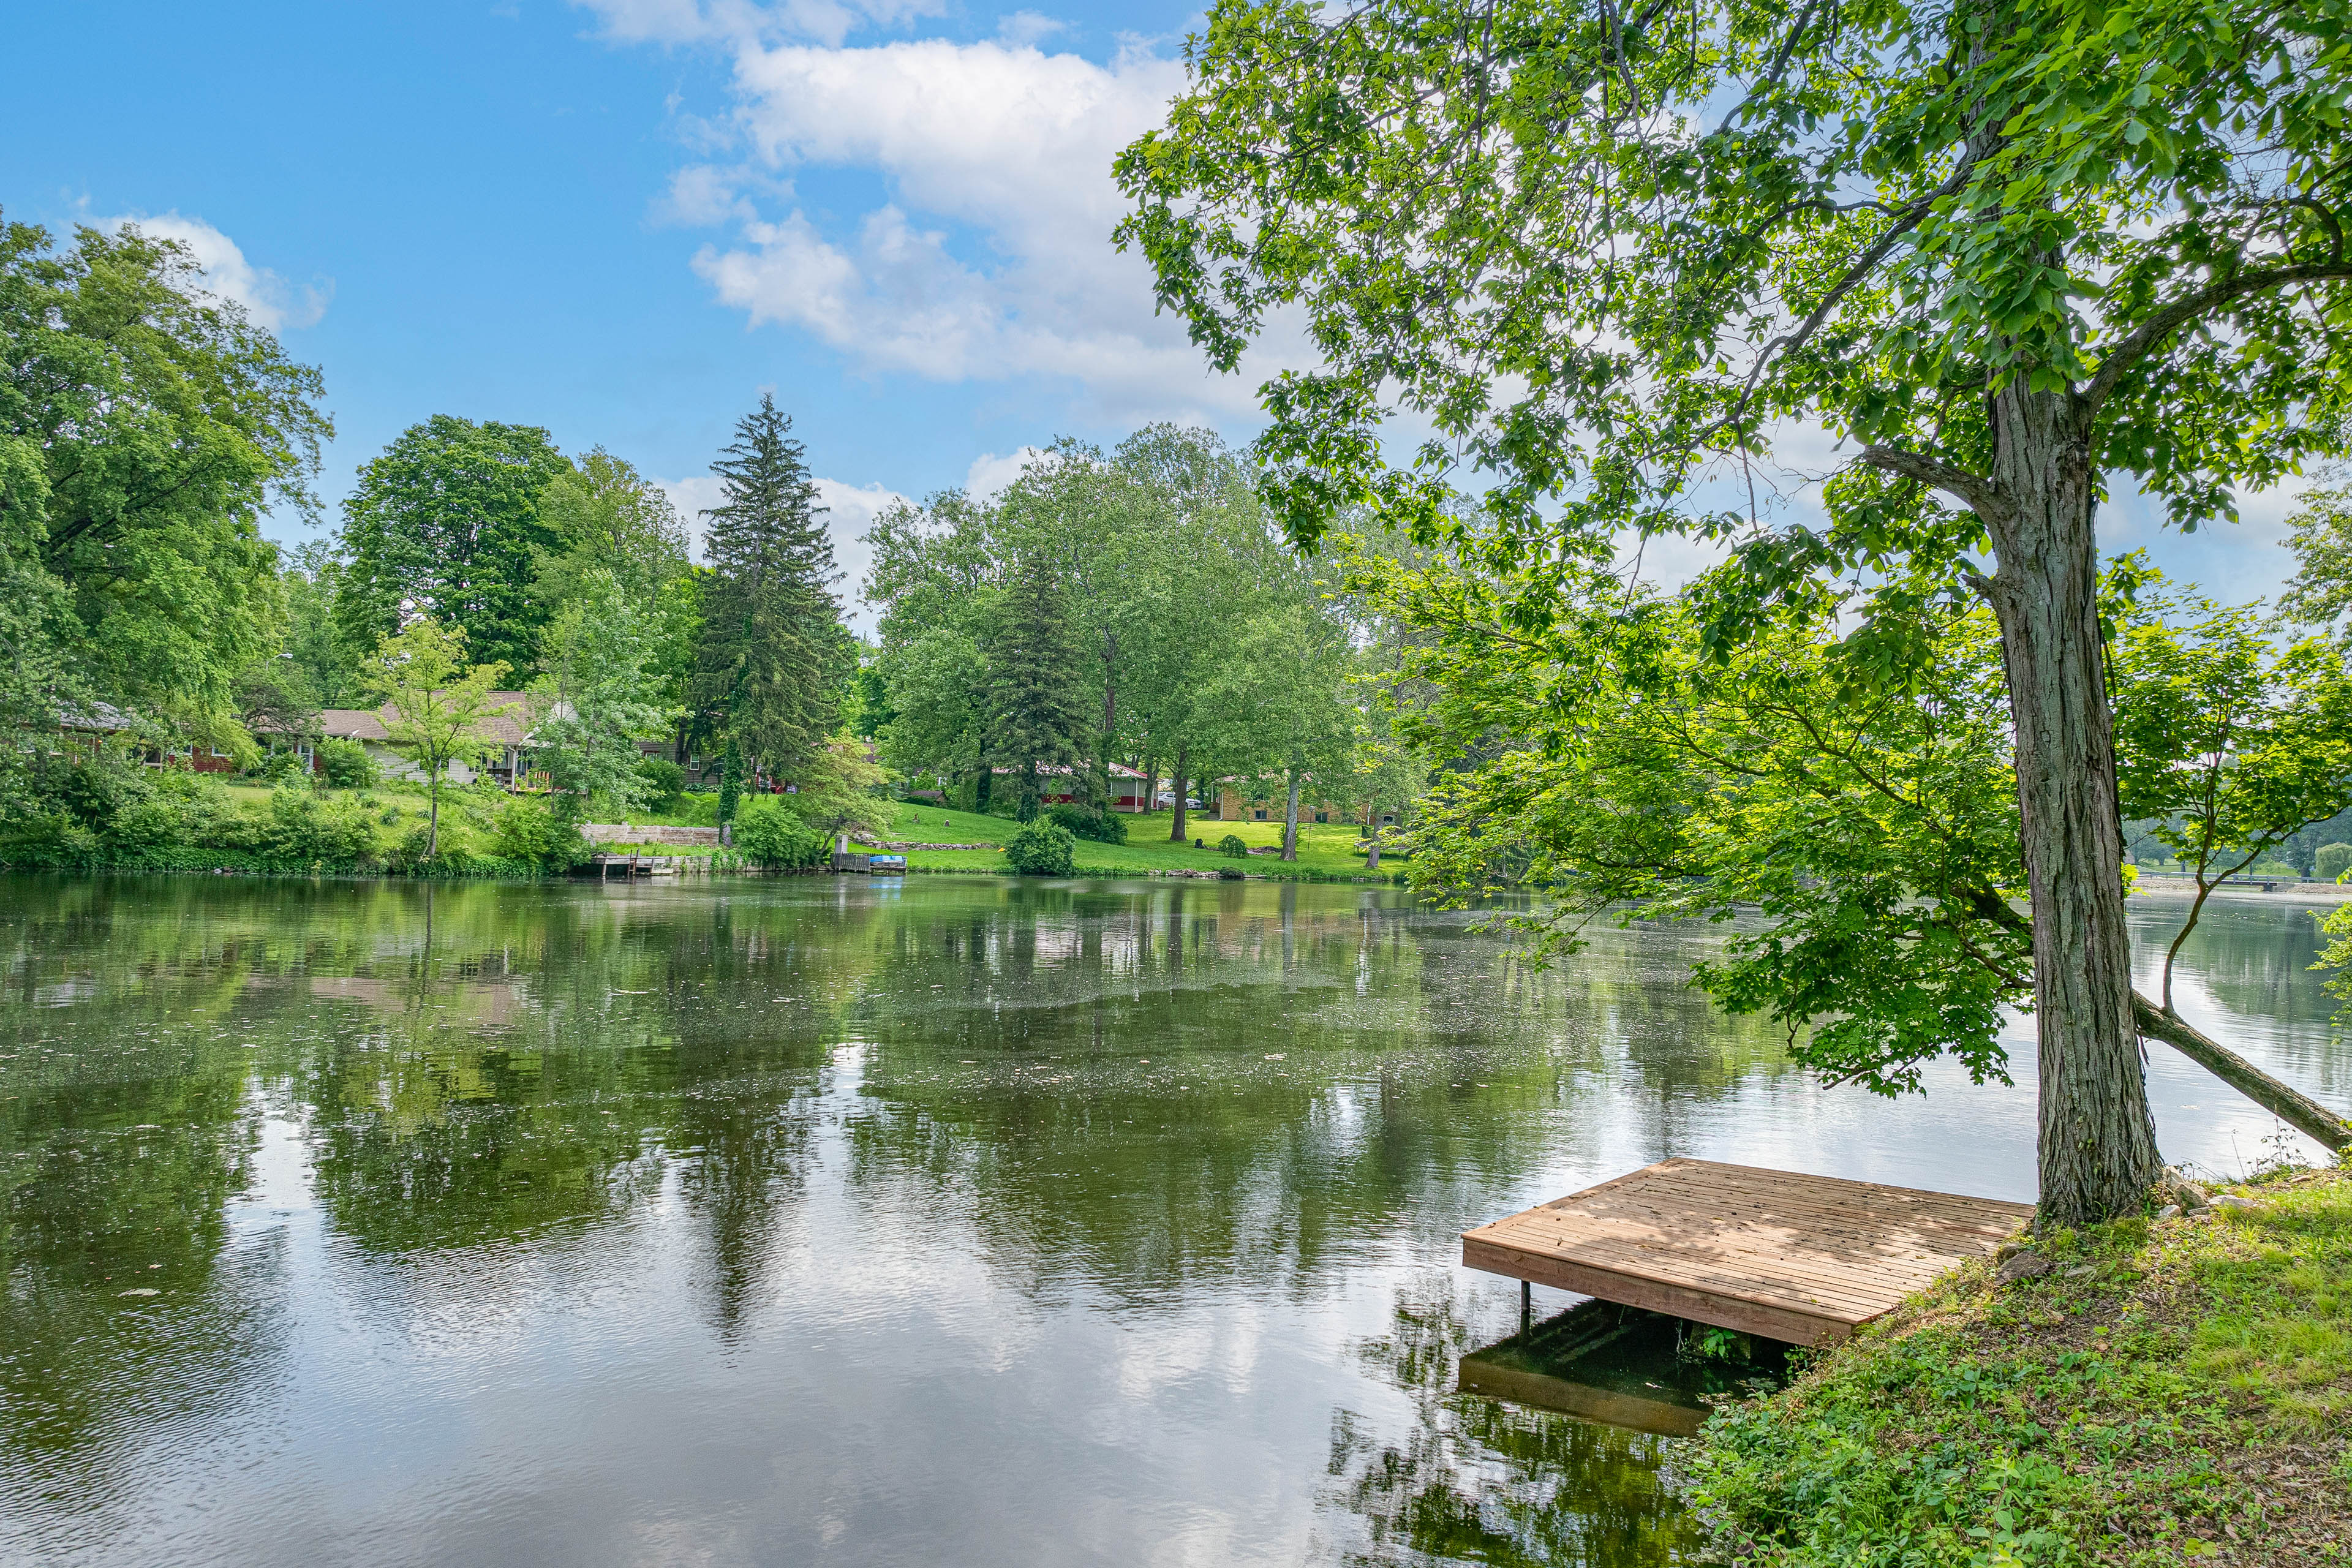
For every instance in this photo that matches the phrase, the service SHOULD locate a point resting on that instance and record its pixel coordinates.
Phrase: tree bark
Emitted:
(2097, 1140)
(2289, 1104)
(1183, 760)
(1290, 821)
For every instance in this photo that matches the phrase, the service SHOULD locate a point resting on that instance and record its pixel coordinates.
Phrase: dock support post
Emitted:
(1526, 1306)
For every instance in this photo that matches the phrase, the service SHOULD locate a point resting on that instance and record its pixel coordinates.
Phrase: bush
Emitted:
(1042, 848)
(278, 767)
(346, 764)
(2332, 861)
(146, 825)
(775, 839)
(1103, 828)
(665, 782)
(527, 831)
(302, 829)
(50, 840)
(1231, 844)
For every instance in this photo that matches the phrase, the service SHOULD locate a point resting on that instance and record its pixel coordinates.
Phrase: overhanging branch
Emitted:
(2141, 339)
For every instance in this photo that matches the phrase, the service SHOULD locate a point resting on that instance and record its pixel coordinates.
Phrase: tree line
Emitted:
(1132, 609)
(147, 428)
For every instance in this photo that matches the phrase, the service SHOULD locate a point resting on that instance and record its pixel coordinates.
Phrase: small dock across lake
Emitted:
(1805, 1259)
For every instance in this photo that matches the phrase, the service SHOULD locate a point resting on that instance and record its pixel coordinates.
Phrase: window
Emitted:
(1261, 816)
(1321, 817)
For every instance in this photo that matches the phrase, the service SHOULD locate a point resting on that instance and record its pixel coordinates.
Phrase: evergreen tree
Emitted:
(1036, 682)
(771, 663)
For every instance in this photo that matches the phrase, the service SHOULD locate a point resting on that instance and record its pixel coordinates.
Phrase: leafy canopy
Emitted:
(145, 427)
(1603, 256)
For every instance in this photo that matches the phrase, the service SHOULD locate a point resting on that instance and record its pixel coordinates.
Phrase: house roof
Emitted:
(509, 728)
(98, 718)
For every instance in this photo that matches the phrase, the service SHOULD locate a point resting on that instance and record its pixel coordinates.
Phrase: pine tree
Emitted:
(1034, 681)
(767, 666)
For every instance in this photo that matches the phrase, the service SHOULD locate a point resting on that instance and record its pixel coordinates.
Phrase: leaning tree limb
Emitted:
(2290, 1105)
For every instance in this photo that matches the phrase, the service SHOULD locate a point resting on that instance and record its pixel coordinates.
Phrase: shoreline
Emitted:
(2145, 1390)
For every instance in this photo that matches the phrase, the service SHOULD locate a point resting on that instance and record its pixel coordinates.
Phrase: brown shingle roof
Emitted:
(509, 728)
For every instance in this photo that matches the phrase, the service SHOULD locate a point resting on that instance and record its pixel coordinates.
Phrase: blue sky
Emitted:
(624, 219)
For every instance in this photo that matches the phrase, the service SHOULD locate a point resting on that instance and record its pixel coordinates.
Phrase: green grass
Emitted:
(2176, 1391)
(1328, 850)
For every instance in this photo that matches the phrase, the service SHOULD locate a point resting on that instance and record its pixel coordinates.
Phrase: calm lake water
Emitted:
(821, 1220)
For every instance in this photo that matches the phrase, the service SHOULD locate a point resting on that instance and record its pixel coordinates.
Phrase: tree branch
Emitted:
(2290, 1105)
(2137, 343)
(1977, 491)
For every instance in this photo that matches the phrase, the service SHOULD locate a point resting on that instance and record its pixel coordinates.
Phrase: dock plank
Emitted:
(1804, 1258)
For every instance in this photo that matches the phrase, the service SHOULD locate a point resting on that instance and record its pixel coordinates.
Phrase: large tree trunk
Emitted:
(1183, 760)
(1290, 821)
(2098, 1154)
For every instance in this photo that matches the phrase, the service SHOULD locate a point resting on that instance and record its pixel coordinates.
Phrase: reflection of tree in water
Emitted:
(1478, 1481)
(119, 1148)
(1155, 1087)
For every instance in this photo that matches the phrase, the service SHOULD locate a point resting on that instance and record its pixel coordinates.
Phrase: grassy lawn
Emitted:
(2170, 1390)
(1330, 848)
(1327, 850)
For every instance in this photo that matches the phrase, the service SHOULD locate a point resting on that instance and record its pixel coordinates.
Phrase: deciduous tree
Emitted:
(447, 523)
(440, 703)
(2001, 251)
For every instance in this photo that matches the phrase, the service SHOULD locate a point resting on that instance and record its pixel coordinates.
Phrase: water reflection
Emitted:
(1625, 1367)
(810, 1219)
(1481, 1480)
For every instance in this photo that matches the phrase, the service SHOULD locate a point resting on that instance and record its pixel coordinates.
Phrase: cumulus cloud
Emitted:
(990, 474)
(269, 300)
(850, 511)
(990, 257)
(701, 195)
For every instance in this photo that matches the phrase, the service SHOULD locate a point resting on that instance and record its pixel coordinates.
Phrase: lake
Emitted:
(826, 1220)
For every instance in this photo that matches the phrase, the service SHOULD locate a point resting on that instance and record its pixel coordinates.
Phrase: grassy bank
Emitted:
(1324, 849)
(2171, 1391)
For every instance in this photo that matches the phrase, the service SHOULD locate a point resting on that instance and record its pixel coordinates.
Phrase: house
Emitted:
(1233, 807)
(1068, 786)
(102, 722)
(506, 730)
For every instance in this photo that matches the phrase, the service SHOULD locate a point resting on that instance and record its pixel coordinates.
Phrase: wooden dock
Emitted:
(1805, 1259)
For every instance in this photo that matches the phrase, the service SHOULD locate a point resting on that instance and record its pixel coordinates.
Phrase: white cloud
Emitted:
(701, 195)
(992, 257)
(269, 300)
(850, 511)
(990, 474)
(1018, 27)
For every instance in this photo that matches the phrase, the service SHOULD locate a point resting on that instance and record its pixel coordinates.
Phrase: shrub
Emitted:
(1102, 827)
(664, 782)
(91, 791)
(527, 831)
(302, 829)
(278, 767)
(1042, 848)
(774, 839)
(52, 839)
(146, 825)
(1231, 844)
(2332, 861)
(346, 764)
